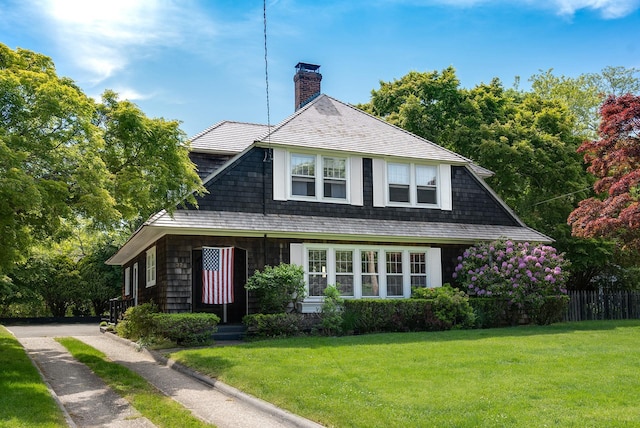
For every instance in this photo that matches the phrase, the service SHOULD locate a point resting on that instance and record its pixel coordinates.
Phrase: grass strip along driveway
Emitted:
(24, 398)
(570, 375)
(151, 403)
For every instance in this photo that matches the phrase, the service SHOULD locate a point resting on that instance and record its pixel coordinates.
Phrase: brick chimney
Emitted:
(307, 83)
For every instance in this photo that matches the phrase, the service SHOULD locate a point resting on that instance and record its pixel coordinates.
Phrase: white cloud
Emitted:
(102, 37)
(608, 9)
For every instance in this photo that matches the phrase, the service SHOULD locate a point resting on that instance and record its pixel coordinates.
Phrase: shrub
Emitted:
(448, 304)
(373, 315)
(331, 316)
(523, 274)
(278, 289)
(187, 328)
(137, 322)
(262, 326)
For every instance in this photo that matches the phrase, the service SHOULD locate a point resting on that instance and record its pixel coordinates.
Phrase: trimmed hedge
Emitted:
(263, 326)
(144, 323)
(186, 329)
(495, 312)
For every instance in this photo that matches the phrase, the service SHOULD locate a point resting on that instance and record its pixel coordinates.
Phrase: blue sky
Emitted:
(203, 61)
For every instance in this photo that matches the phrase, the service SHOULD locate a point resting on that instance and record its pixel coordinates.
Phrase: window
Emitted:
(344, 272)
(303, 175)
(394, 273)
(426, 184)
(151, 266)
(328, 185)
(368, 272)
(317, 269)
(369, 269)
(334, 177)
(418, 263)
(412, 184)
(127, 281)
(399, 183)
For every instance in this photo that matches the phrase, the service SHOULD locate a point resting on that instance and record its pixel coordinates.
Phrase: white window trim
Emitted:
(413, 188)
(127, 281)
(151, 267)
(319, 178)
(432, 255)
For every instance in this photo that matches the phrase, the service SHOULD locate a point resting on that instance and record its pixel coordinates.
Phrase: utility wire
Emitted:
(561, 196)
(266, 70)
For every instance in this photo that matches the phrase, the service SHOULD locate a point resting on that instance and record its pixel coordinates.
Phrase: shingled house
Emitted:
(354, 200)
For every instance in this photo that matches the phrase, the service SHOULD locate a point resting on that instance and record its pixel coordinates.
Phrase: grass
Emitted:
(564, 375)
(151, 403)
(25, 400)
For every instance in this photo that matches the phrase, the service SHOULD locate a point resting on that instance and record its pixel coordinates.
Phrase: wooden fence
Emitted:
(596, 305)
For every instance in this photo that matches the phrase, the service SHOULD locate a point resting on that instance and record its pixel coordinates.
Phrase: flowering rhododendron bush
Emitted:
(522, 273)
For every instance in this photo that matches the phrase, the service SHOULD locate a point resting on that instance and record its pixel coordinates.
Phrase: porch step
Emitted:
(229, 332)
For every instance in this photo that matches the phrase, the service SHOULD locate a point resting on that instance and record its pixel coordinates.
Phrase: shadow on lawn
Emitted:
(442, 336)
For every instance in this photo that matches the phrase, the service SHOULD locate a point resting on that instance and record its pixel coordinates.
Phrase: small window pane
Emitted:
(427, 195)
(303, 187)
(335, 189)
(394, 285)
(303, 165)
(335, 168)
(425, 175)
(398, 193)
(398, 173)
(345, 284)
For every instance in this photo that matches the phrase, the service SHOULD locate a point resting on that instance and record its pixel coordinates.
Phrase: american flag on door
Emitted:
(217, 275)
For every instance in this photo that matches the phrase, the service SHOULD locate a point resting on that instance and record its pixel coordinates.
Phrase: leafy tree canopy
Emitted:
(64, 157)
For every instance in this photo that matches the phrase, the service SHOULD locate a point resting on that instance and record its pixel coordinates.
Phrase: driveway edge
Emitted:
(53, 394)
(228, 390)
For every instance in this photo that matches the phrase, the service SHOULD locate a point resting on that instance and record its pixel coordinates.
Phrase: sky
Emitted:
(203, 61)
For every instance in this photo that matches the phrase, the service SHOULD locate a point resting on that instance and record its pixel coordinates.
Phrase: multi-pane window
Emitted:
(330, 183)
(412, 184)
(399, 182)
(418, 263)
(344, 272)
(317, 269)
(369, 276)
(303, 175)
(394, 273)
(151, 266)
(334, 177)
(372, 271)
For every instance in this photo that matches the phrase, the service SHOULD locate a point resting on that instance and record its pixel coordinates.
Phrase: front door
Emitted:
(234, 311)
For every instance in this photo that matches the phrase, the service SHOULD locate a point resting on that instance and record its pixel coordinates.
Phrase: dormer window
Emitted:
(328, 183)
(411, 184)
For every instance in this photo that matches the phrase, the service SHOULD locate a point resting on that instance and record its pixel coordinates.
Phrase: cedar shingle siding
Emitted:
(243, 188)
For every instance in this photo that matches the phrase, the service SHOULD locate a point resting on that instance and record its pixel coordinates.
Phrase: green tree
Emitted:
(101, 282)
(583, 95)
(64, 158)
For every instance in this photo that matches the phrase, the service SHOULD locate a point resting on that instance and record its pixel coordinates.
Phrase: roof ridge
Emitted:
(222, 122)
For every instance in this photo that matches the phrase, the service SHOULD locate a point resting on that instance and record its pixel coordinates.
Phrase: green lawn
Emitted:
(24, 398)
(565, 375)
